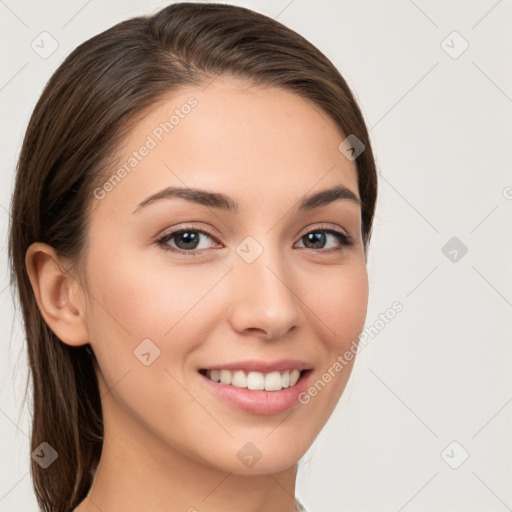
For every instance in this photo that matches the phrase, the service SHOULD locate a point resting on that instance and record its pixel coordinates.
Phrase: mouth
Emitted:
(256, 381)
(260, 387)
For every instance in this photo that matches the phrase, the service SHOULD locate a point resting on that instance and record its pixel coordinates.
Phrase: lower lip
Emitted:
(260, 402)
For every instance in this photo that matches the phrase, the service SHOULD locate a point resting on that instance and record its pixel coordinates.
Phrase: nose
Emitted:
(264, 302)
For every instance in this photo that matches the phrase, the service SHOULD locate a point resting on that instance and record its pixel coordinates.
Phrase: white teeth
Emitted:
(255, 381)
(239, 379)
(274, 381)
(285, 379)
(225, 377)
(294, 377)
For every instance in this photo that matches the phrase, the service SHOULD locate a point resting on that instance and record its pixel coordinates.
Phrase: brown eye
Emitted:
(185, 241)
(319, 238)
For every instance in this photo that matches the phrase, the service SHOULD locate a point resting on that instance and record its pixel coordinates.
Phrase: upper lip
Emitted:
(255, 365)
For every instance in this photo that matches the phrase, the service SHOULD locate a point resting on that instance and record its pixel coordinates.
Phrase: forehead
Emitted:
(257, 144)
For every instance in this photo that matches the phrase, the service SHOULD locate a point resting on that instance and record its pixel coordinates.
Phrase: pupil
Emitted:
(188, 238)
(318, 239)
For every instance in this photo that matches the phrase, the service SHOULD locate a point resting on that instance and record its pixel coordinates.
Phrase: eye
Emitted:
(186, 240)
(191, 241)
(318, 239)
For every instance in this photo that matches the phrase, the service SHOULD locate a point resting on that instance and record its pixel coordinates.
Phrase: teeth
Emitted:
(225, 377)
(285, 379)
(274, 381)
(294, 377)
(239, 379)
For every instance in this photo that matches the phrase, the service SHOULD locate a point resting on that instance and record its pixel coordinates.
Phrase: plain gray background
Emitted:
(433, 386)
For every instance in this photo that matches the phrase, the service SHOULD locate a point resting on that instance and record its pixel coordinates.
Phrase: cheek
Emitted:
(163, 304)
(340, 302)
(134, 301)
(340, 310)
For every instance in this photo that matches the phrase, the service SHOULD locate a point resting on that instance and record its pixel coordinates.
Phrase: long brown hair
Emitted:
(84, 113)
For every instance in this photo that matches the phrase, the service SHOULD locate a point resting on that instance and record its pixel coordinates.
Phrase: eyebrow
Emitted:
(226, 203)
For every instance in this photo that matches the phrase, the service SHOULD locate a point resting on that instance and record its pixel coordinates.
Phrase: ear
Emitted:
(57, 294)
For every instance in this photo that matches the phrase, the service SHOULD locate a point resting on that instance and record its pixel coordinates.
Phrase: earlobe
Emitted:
(57, 294)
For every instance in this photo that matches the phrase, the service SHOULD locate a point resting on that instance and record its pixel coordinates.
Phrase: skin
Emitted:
(169, 443)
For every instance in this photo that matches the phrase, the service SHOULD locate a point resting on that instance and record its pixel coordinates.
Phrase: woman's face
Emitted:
(266, 286)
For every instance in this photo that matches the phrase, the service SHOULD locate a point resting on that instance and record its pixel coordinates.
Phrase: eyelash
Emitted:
(344, 239)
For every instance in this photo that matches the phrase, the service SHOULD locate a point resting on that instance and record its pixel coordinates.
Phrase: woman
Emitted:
(190, 222)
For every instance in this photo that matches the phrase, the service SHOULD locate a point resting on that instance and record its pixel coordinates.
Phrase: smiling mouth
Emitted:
(256, 381)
